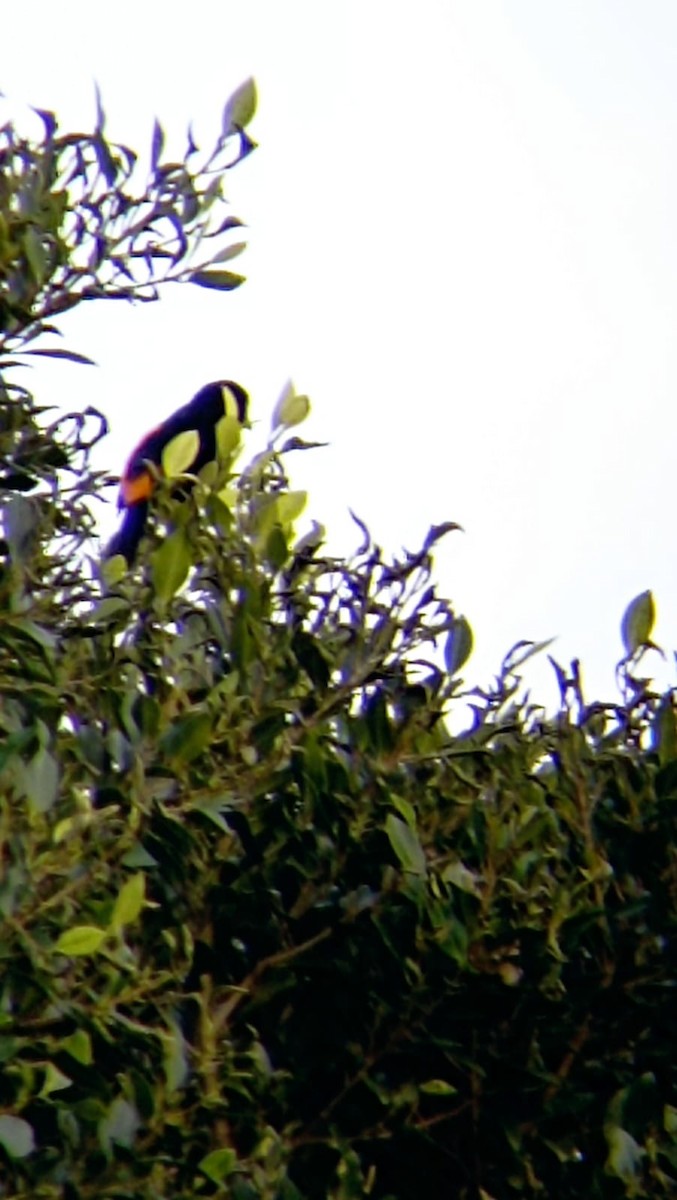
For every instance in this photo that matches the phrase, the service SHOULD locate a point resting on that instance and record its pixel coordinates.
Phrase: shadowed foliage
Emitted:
(268, 928)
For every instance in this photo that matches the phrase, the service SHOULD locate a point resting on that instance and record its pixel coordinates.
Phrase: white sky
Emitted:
(462, 244)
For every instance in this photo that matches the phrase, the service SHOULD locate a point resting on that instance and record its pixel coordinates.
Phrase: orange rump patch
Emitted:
(136, 489)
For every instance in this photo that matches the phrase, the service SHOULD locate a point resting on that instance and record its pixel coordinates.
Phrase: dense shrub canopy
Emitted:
(268, 928)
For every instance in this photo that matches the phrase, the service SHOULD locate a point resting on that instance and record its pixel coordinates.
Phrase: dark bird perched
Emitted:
(202, 414)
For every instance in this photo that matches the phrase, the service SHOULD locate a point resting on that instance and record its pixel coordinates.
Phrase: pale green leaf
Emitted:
(55, 1081)
(180, 453)
(228, 435)
(291, 409)
(82, 940)
(625, 1154)
(240, 108)
(79, 1046)
(461, 877)
(120, 1125)
(218, 1165)
(638, 621)
(289, 506)
(130, 901)
(175, 1059)
(16, 1135)
(438, 1087)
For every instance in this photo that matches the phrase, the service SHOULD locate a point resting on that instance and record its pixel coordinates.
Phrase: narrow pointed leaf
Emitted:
(130, 901)
(223, 281)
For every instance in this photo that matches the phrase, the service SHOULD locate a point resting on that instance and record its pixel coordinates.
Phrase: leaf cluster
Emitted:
(268, 927)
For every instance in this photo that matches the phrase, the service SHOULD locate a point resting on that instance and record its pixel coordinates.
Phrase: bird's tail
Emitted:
(126, 540)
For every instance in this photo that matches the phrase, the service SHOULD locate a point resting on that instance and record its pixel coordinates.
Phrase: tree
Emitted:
(268, 928)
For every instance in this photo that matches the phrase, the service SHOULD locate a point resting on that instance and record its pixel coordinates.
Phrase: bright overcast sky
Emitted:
(462, 244)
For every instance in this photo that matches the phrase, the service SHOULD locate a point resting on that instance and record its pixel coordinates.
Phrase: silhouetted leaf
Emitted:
(240, 108)
(638, 621)
(223, 281)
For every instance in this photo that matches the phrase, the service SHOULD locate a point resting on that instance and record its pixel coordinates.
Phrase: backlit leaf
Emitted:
(291, 409)
(240, 108)
(638, 621)
(130, 901)
(228, 436)
(179, 455)
(458, 646)
(82, 940)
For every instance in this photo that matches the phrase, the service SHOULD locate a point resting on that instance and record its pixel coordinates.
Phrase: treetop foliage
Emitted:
(269, 929)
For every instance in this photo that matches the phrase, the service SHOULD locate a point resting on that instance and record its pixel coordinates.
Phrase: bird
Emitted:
(202, 414)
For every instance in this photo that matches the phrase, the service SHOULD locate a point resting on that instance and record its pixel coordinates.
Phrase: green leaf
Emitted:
(13, 746)
(459, 645)
(138, 856)
(289, 506)
(55, 1081)
(20, 523)
(461, 877)
(638, 621)
(625, 1154)
(65, 828)
(228, 436)
(37, 633)
(240, 108)
(406, 845)
(222, 281)
(111, 608)
(40, 780)
(290, 409)
(670, 1119)
(664, 731)
(438, 1087)
(35, 254)
(218, 1165)
(113, 571)
(79, 1046)
(188, 737)
(80, 941)
(276, 548)
(281, 510)
(405, 809)
(227, 496)
(175, 1059)
(229, 252)
(16, 1135)
(120, 1125)
(179, 455)
(170, 565)
(130, 901)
